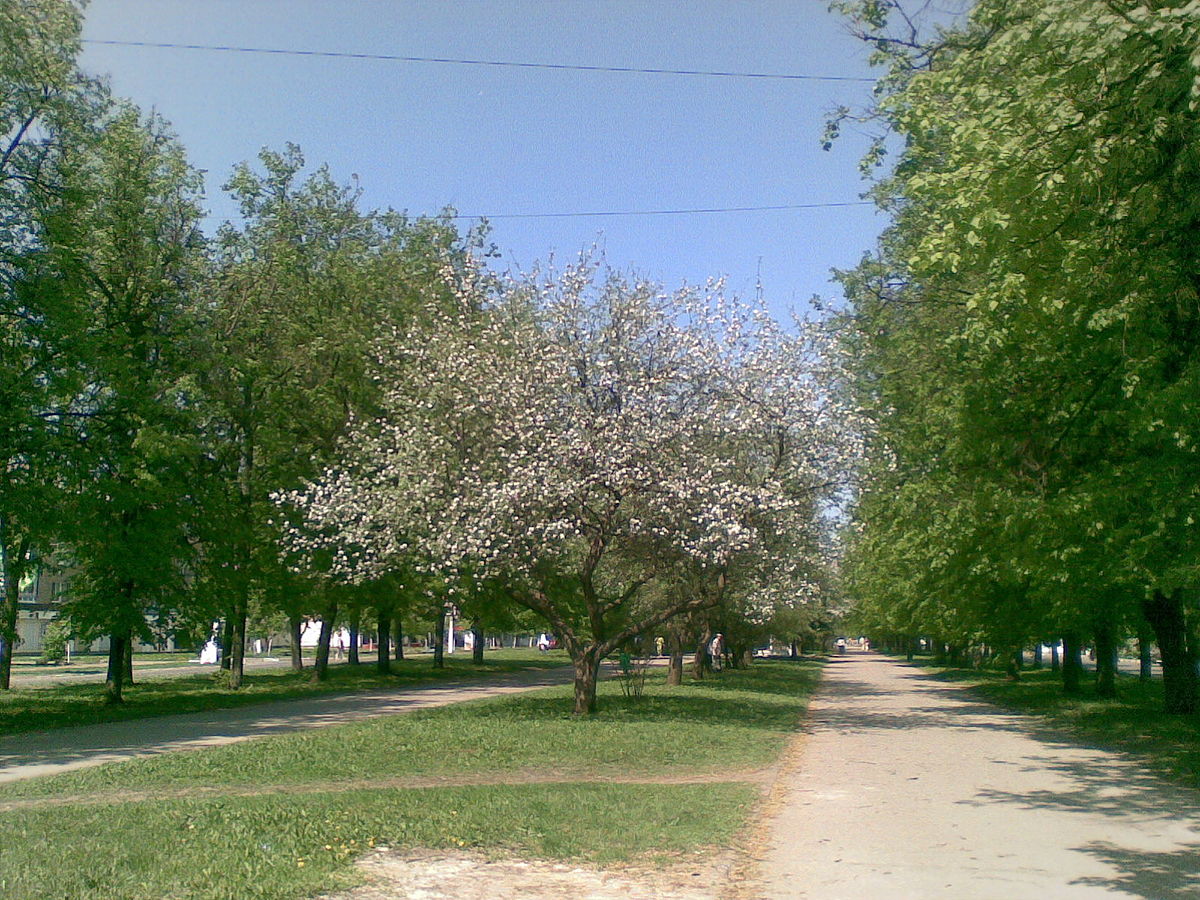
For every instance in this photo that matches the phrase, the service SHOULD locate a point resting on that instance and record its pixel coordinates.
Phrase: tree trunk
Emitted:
(1012, 665)
(296, 627)
(235, 651)
(477, 644)
(352, 652)
(700, 661)
(439, 642)
(1055, 662)
(383, 660)
(399, 639)
(127, 662)
(1037, 655)
(114, 681)
(1072, 664)
(675, 651)
(12, 567)
(1145, 645)
(587, 667)
(675, 668)
(1165, 614)
(321, 663)
(1106, 660)
(226, 638)
(939, 651)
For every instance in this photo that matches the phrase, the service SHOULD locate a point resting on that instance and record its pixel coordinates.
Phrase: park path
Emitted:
(49, 752)
(907, 787)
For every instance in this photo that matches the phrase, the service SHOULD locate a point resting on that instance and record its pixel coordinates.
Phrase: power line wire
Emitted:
(669, 212)
(645, 212)
(782, 76)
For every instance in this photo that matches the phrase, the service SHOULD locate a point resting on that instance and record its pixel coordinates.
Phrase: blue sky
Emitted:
(488, 140)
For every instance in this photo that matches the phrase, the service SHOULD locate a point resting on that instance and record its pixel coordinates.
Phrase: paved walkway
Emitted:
(92, 672)
(49, 752)
(907, 787)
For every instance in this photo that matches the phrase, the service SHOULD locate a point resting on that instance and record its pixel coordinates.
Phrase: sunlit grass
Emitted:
(277, 844)
(740, 720)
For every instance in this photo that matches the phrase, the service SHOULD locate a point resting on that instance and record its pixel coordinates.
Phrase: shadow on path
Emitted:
(1140, 830)
(1162, 875)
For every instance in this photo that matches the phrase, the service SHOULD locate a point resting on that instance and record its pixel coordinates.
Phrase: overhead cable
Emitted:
(708, 73)
(667, 212)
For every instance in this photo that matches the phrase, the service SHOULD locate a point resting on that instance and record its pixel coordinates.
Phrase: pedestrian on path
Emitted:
(716, 651)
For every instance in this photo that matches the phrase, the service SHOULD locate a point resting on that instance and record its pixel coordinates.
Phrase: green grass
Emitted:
(291, 847)
(64, 705)
(1134, 722)
(294, 844)
(31, 664)
(735, 722)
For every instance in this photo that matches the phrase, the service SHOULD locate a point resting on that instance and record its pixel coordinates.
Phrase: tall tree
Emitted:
(123, 235)
(45, 104)
(1031, 326)
(580, 438)
(301, 290)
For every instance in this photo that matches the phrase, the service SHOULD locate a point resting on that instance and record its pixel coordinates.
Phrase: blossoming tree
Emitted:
(580, 437)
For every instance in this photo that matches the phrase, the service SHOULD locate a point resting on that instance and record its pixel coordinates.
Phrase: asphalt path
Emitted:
(48, 752)
(93, 672)
(907, 787)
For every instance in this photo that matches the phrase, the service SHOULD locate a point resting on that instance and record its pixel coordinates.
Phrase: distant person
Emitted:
(658, 646)
(543, 642)
(716, 650)
(841, 645)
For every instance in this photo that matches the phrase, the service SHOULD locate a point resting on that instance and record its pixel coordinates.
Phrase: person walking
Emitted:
(716, 651)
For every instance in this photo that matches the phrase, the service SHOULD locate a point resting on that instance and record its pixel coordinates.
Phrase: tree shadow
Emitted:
(1155, 875)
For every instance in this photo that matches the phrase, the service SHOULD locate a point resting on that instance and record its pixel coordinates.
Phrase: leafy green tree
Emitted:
(301, 292)
(45, 105)
(1029, 330)
(123, 236)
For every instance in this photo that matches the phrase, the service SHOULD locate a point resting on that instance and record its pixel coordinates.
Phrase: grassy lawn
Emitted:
(1134, 722)
(30, 664)
(291, 842)
(62, 705)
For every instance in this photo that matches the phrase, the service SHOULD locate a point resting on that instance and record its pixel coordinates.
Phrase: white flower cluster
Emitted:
(575, 413)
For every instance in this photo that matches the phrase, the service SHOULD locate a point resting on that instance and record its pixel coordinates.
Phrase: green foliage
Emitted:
(1029, 332)
(55, 640)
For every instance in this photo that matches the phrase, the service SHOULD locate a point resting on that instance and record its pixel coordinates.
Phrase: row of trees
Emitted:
(156, 385)
(329, 412)
(1029, 332)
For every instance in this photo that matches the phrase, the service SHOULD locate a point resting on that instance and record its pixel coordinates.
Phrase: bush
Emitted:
(54, 641)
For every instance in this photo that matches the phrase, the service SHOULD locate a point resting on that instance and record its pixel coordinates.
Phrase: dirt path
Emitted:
(49, 752)
(906, 788)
